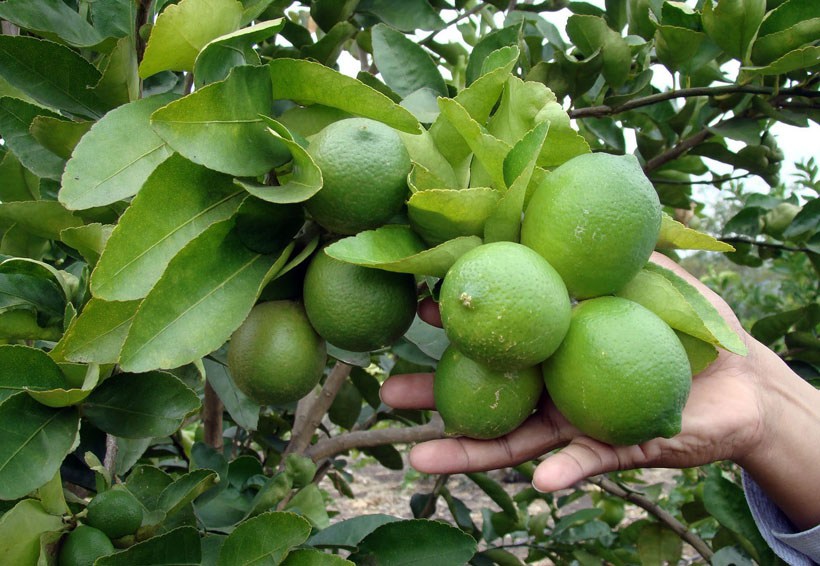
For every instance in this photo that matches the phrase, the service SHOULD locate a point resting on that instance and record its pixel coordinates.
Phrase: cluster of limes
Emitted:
(110, 515)
(518, 315)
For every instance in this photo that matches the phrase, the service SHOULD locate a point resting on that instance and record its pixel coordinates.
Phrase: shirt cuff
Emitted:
(796, 548)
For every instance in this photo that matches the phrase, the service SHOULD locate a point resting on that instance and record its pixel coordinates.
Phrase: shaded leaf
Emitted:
(802, 58)
(417, 541)
(269, 536)
(52, 19)
(179, 547)
(701, 354)
(57, 135)
(34, 440)
(21, 528)
(398, 248)
(408, 15)
(733, 24)
(89, 181)
(243, 410)
(151, 404)
(504, 37)
(41, 218)
(439, 215)
(185, 489)
(350, 532)
(89, 240)
(591, 33)
(16, 119)
(234, 49)
(309, 503)
(313, 557)
(658, 545)
(27, 369)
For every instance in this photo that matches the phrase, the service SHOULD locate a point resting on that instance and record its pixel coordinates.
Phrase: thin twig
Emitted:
(676, 151)
(467, 14)
(759, 244)
(661, 514)
(370, 438)
(606, 110)
(311, 409)
(716, 181)
(212, 418)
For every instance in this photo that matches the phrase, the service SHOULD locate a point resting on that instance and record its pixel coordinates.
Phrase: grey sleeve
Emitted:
(796, 548)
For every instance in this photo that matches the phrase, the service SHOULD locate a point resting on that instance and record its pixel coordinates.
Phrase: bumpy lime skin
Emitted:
(128, 511)
(83, 545)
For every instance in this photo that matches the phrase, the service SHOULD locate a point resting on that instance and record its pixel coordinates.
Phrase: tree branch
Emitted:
(312, 408)
(111, 450)
(676, 151)
(715, 181)
(370, 438)
(606, 110)
(661, 514)
(212, 418)
(773, 245)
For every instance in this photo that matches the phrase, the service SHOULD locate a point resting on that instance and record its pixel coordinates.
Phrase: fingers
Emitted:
(428, 311)
(537, 435)
(409, 391)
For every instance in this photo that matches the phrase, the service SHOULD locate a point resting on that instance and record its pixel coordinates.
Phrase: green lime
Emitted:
(503, 305)
(275, 356)
(596, 219)
(476, 401)
(358, 308)
(115, 512)
(83, 545)
(364, 168)
(621, 375)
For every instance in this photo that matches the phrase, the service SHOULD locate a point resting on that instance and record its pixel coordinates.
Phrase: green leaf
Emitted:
(185, 489)
(243, 410)
(232, 138)
(179, 547)
(204, 295)
(591, 33)
(328, 13)
(21, 528)
(16, 118)
(397, 248)
(27, 369)
(52, 19)
(676, 236)
(88, 240)
(405, 65)
(733, 24)
(803, 58)
(89, 181)
(72, 393)
(771, 328)
(182, 30)
(52, 497)
(303, 181)
(329, 46)
(504, 37)
(143, 242)
(97, 335)
(488, 149)
(266, 538)
(658, 545)
(120, 83)
(41, 218)
(306, 82)
(769, 48)
(495, 492)
(57, 135)
(309, 503)
(51, 74)
(429, 162)
(275, 489)
(701, 354)
(349, 532)
(16, 182)
(222, 54)
(684, 49)
(34, 440)
(681, 306)
(439, 215)
(25, 286)
(143, 405)
(418, 541)
(408, 15)
(313, 557)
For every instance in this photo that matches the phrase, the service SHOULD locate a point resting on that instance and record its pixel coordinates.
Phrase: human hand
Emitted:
(731, 414)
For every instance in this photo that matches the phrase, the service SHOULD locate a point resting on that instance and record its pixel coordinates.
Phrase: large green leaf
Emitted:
(592, 33)
(143, 405)
(417, 542)
(27, 369)
(58, 135)
(185, 489)
(681, 306)
(204, 295)
(220, 125)
(494, 40)
(674, 235)
(429, 162)
(439, 215)
(97, 335)
(53, 19)
(52, 74)
(350, 532)
(16, 118)
(306, 82)
(802, 58)
(179, 547)
(27, 285)
(90, 181)
(120, 83)
(144, 242)
(20, 531)
(34, 440)
(658, 544)
(89, 240)
(222, 54)
(42, 218)
(408, 15)
(397, 248)
(768, 48)
(183, 29)
(404, 64)
(75, 391)
(265, 539)
(733, 24)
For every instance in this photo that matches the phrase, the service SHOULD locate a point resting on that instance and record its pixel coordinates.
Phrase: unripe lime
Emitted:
(83, 545)
(115, 512)
(275, 356)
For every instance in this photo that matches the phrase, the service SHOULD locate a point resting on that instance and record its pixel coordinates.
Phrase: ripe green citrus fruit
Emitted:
(275, 356)
(621, 375)
(503, 305)
(596, 219)
(358, 308)
(83, 546)
(364, 168)
(476, 401)
(115, 512)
